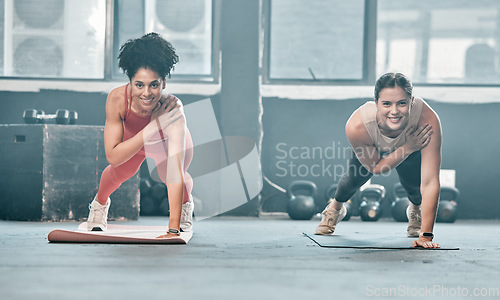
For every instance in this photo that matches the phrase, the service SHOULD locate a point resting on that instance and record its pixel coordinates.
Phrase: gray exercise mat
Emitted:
(367, 241)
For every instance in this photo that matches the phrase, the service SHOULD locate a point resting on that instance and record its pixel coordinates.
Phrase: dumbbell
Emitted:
(62, 116)
(33, 116)
(330, 195)
(447, 208)
(371, 195)
(400, 203)
(73, 117)
(301, 207)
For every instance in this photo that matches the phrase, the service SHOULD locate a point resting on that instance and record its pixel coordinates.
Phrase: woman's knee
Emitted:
(123, 175)
(416, 199)
(122, 172)
(413, 193)
(348, 185)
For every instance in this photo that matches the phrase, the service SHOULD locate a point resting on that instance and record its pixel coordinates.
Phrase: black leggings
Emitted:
(357, 175)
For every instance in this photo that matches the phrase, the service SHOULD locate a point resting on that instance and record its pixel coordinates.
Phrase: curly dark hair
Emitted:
(392, 80)
(150, 51)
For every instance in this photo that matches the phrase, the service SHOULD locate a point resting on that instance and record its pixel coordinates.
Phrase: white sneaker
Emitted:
(187, 215)
(98, 216)
(330, 217)
(414, 221)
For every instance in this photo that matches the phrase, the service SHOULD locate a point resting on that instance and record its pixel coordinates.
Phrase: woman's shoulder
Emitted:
(356, 129)
(117, 100)
(117, 93)
(427, 113)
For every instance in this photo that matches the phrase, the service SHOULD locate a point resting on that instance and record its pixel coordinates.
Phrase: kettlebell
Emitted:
(400, 203)
(330, 195)
(301, 206)
(447, 208)
(369, 208)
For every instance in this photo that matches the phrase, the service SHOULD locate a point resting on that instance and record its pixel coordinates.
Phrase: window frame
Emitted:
(369, 56)
(369, 39)
(109, 61)
(429, 86)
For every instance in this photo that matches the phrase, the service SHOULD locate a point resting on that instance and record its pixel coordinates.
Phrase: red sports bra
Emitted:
(133, 122)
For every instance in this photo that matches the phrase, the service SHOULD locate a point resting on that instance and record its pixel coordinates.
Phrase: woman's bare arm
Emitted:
(368, 155)
(119, 151)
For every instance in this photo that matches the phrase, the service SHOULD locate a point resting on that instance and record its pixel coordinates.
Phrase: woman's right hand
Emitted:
(168, 110)
(165, 105)
(418, 138)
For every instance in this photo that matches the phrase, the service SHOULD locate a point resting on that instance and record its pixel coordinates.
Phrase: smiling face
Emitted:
(147, 87)
(393, 110)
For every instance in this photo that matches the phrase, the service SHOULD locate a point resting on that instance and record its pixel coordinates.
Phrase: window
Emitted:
(440, 42)
(67, 38)
(52, 38)
(316, 40)
(185, 24)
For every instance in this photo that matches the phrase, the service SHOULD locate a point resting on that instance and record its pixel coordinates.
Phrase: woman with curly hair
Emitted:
(142, 122)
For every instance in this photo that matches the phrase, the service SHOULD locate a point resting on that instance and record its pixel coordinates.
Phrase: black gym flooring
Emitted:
(252, 258)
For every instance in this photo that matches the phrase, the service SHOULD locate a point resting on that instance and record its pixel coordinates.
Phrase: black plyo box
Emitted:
(52, 172)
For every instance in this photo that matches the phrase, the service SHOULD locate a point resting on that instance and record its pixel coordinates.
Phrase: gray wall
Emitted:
(90, 106)
(470, 130)
(470, 145)
(470, 139)
(239, 106)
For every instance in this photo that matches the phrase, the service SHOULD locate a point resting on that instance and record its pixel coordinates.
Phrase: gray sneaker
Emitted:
(187, 215)
(98, 216)
(414, 221)
(329, 219)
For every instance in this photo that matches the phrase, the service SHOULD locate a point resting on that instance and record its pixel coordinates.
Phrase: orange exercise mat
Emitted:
(118, 234)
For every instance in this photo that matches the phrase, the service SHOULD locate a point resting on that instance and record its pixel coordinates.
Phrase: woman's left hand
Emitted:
(425, 242)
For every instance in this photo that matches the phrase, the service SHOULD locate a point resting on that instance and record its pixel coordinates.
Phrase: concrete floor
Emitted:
(249, 258)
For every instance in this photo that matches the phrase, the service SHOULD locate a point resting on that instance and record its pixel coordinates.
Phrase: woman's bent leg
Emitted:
(352, 180)
(409, 175)
(349, 183)
(113, 177)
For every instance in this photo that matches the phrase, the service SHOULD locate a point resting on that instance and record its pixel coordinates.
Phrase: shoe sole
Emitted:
(320, 233)
(323, 233)
(96, 228)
